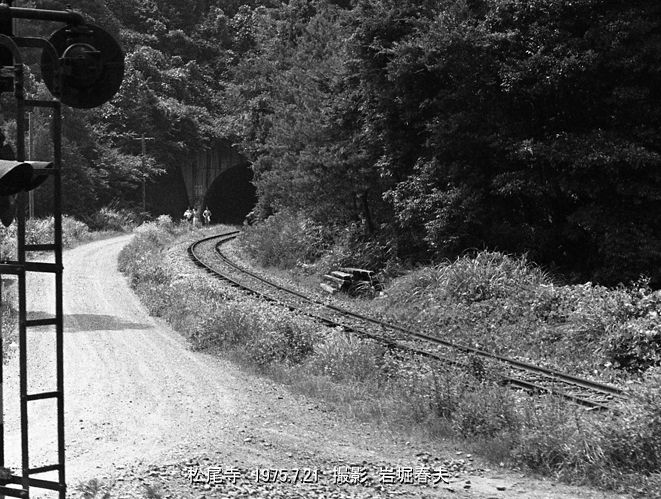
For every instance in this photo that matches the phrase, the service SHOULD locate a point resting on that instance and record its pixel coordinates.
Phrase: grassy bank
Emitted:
(620, 450)
(490, 300)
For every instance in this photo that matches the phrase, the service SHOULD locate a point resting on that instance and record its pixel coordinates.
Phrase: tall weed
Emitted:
(114, 219)
(344, 357)
(256, 333)
(471, 279)
(505, 305)
(41, 231)
(284, 240)
(73, 231)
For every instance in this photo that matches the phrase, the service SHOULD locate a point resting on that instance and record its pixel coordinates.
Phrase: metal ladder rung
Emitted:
(42, 267)
(43, 469)
(12, 268)
(42, 395)
(20, 268)
(41, 322)
(34, 482)
(40, 247)
(8, 491)
(47, 484)
(40, 103)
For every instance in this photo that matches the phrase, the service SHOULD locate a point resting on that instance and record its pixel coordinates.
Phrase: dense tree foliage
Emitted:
(524, 126)
(433, 126)
(514, 125)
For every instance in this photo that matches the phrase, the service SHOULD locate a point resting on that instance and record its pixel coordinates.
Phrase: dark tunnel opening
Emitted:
(231, 196)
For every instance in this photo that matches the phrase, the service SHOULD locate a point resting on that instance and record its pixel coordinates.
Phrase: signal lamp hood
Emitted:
(18, 176)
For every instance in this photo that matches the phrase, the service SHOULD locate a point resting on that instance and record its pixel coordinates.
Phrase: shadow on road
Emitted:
(75, 323)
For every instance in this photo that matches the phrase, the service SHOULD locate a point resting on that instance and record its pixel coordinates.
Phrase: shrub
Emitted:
(140, 258)
(41, 231)
(559, 438)
(73, 231)
(572, 318)
(486, 410)
(632, 439)
(488, 275)
(635, 345)
(112, 219)
(165, 222)
(282, 342)
(153, 281)
(284, 240)
(504, 305)
(230, 326)
(635, 342)
(93, 489)
(352, 248)
(345, 357)
(471, 279)
(255, 332)
(155, 236)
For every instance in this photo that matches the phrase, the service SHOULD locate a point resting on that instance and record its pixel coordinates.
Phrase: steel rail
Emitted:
(552, 376)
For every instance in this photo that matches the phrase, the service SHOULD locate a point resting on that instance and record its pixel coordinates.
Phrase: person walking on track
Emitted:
(194, 218)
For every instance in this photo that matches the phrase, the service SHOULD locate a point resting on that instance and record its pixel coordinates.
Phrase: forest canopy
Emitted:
(522, 126)
(434, 127)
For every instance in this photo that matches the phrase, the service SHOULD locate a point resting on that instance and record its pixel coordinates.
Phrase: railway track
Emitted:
(206, 253)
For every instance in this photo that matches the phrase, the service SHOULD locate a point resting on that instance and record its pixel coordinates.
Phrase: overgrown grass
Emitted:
(40, 231)
(491, 300)
(93, 489)
(285, 241)
(291, 240)
(620, 450)
(96, 489)
(114, 219)
(505, 305)
(207, 313)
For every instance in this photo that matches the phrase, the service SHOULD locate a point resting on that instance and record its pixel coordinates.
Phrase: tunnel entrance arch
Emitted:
(231, 196)
(205, 166)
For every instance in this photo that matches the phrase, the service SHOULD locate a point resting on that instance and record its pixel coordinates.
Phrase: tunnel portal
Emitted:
(231, 196)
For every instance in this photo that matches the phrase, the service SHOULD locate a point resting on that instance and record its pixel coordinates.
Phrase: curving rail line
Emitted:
(520, 374)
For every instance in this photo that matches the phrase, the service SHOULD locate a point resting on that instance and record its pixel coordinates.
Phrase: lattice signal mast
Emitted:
(83, 67)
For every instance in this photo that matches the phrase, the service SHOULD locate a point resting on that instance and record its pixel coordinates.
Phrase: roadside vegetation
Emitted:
(619, 450)
(96, 489)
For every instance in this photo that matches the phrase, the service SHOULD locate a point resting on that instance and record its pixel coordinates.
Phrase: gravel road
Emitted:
(143, 411)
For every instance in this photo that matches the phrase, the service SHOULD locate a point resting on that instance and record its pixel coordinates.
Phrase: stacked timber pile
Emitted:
(353, 281)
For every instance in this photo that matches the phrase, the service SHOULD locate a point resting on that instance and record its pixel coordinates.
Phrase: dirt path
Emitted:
(143, 409)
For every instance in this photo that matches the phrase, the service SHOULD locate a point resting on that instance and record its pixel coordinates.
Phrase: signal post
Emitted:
(83, 67)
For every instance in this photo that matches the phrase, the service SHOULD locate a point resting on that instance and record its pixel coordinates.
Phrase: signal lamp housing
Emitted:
(19, 176)
(15, 177)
